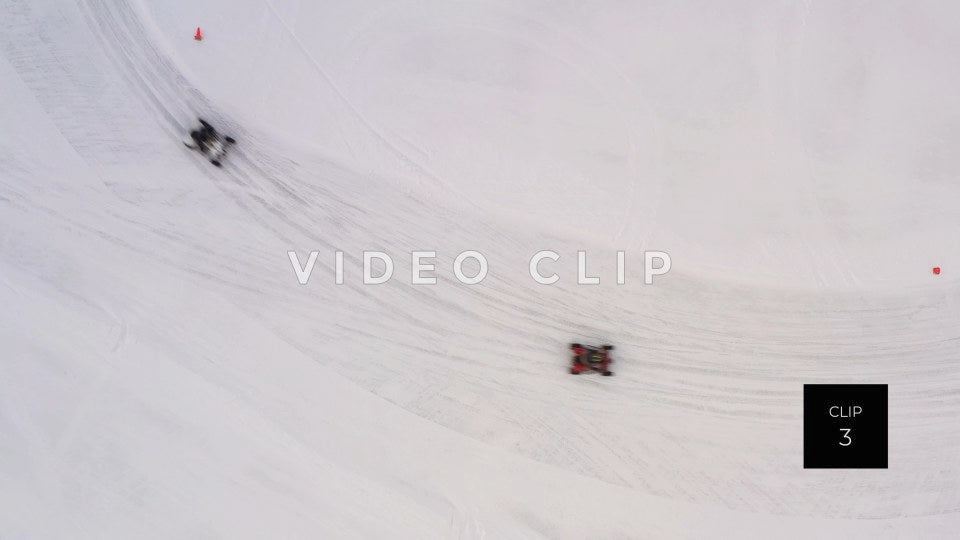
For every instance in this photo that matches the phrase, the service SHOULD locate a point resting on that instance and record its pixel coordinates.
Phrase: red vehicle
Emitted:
(589, 358)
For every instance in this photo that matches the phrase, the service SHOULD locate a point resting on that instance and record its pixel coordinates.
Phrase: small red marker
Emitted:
(936, 270)
(199, 36)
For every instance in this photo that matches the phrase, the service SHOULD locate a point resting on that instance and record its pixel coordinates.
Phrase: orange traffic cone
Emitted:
(199, 36)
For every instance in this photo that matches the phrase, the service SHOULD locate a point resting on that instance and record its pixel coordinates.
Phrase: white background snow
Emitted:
(163, 374)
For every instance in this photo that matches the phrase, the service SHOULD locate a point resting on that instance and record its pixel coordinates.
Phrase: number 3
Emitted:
(846, 435)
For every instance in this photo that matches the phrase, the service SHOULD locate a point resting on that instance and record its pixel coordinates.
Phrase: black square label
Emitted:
(844, 426)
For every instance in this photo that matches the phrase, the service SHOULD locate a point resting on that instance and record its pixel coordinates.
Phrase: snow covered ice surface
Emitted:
(164, 375)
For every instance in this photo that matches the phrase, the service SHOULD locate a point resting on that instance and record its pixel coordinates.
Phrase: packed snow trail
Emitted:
(164, 374)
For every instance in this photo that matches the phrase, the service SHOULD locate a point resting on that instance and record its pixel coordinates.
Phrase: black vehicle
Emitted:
(209, 142)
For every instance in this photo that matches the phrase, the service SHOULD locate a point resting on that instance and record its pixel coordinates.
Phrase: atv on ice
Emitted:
(589, 358)
(209, 142)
